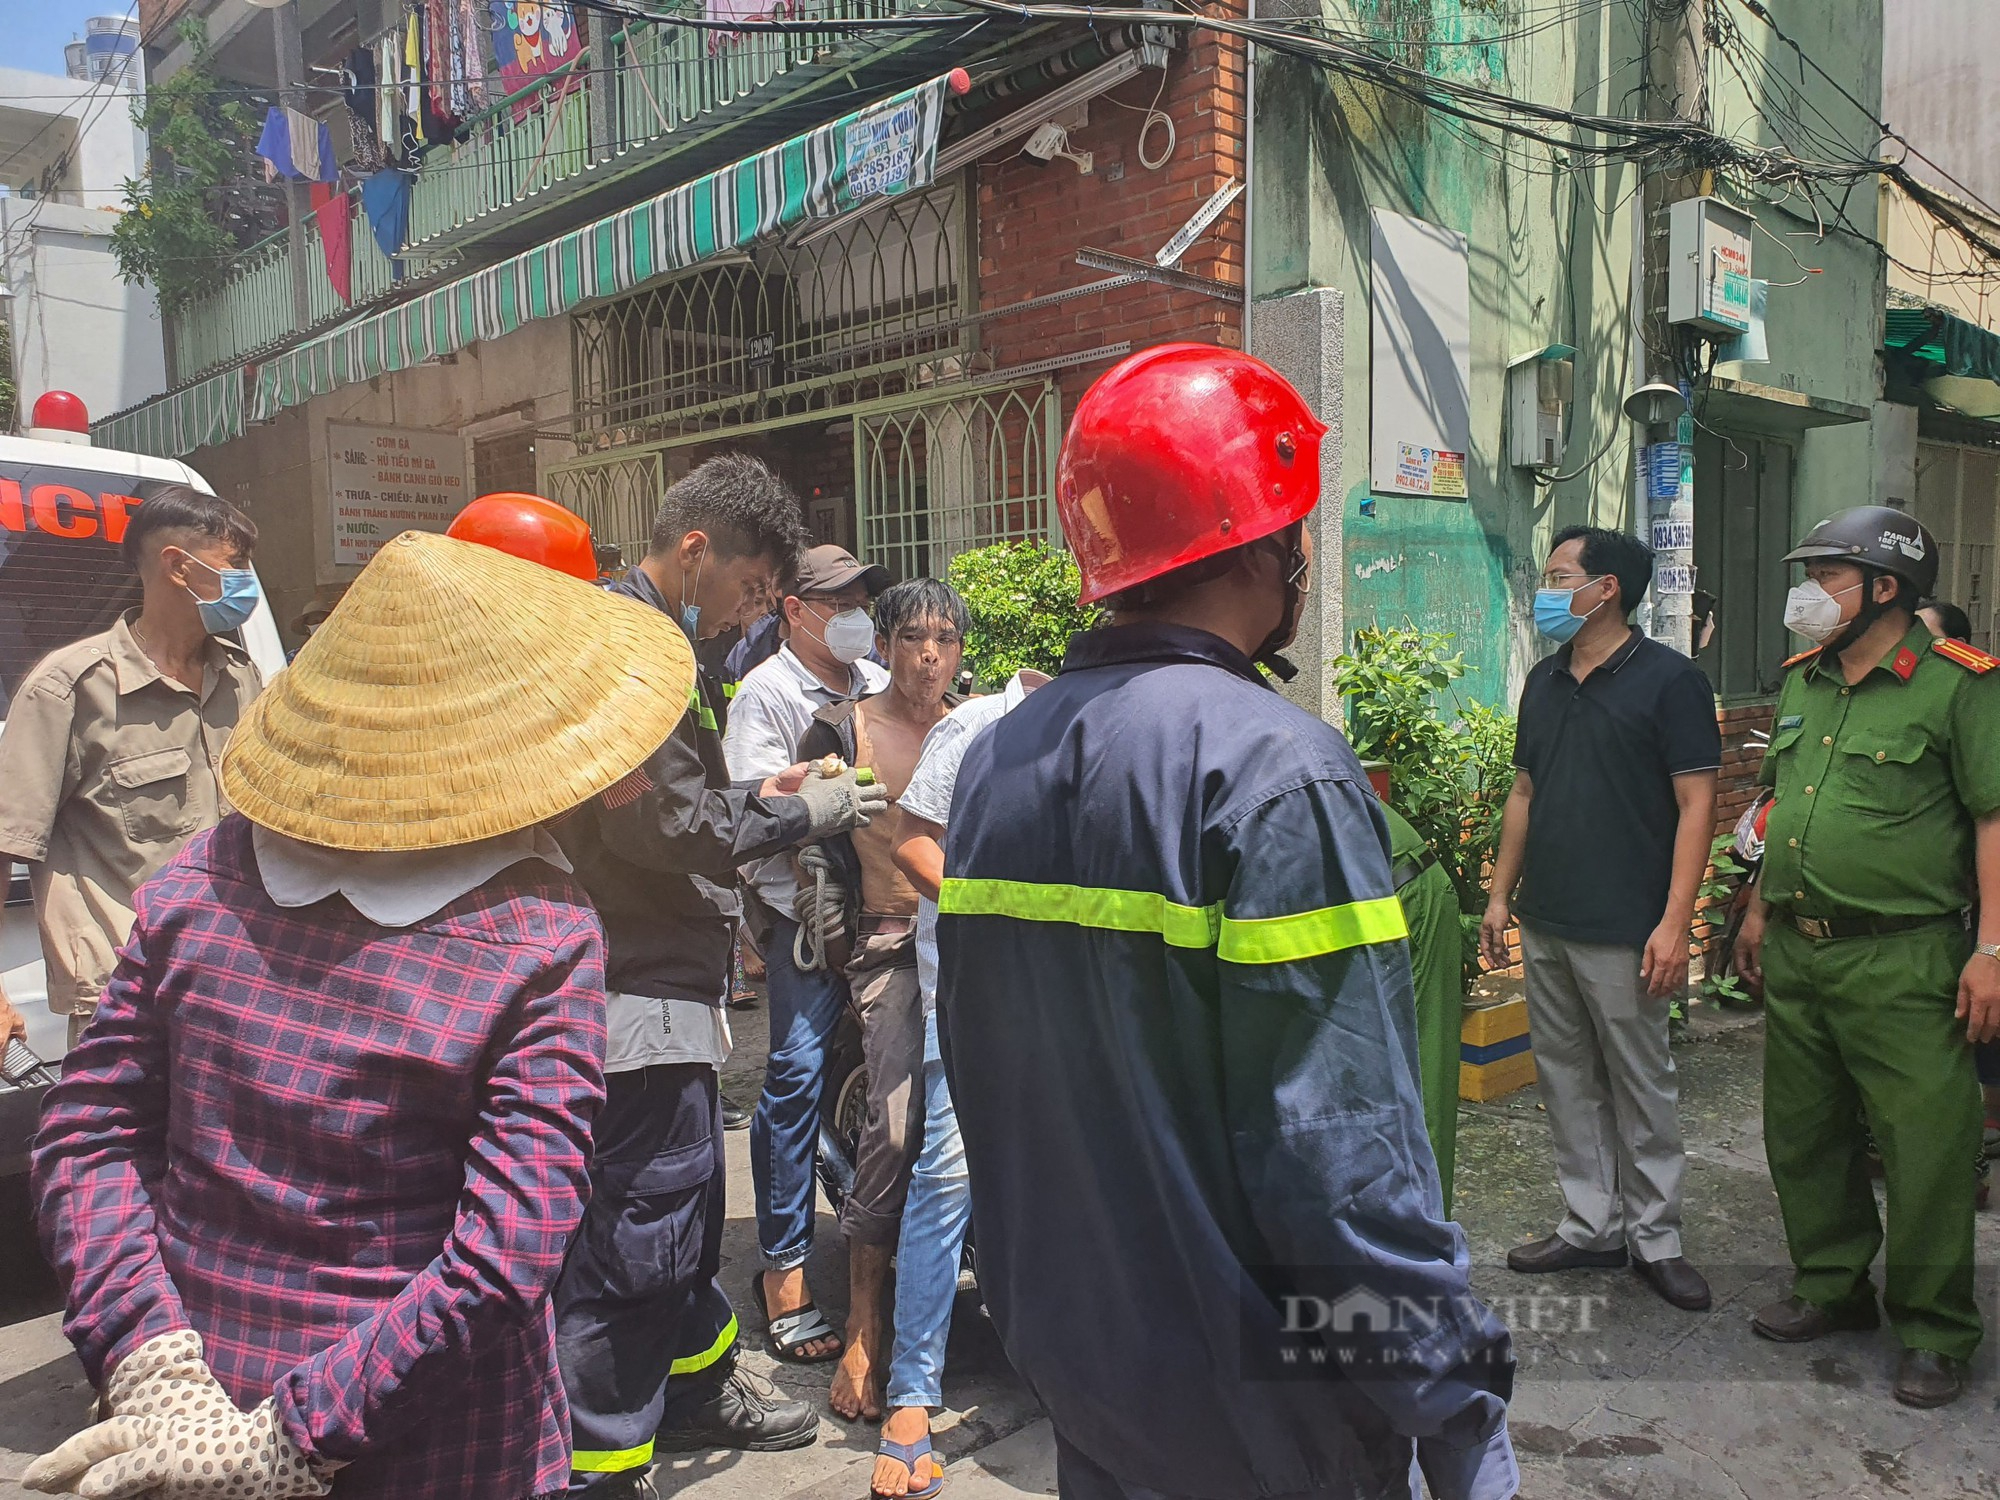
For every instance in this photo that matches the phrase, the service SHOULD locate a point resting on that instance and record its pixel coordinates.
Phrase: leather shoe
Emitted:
(740, 1410)
(1797, 1321)
(734, 1116)
(1674, 1279)
(1926, 1378)
(1557, 1254)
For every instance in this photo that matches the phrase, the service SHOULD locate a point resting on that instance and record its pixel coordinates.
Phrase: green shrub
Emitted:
(1451, 763)
(1022, 599)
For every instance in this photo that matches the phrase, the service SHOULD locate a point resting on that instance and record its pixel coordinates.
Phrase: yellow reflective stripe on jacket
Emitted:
(1086, 906)
(1237, 940)
(1310, 934)
(692, 1364)
(703, 714)
(588, 1461)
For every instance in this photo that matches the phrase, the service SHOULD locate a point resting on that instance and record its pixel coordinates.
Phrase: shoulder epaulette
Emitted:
(1793, 661)
(1969, 657)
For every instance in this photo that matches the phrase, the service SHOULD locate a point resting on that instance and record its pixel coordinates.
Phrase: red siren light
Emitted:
(61, 411)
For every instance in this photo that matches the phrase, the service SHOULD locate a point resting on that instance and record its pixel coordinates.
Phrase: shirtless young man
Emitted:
(920, 630)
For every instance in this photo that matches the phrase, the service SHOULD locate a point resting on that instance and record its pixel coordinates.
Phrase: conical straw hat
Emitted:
(456, 693)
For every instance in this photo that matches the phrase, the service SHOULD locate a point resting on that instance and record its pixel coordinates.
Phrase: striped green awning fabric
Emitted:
(207, 412)
(887, 149)
(1237, 940)
(879, 152)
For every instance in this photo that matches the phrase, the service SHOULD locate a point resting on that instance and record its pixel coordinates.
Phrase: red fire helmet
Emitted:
(1178, 453)
(530, 527)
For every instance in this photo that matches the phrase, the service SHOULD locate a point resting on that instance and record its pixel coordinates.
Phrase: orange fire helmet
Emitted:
(527, 526)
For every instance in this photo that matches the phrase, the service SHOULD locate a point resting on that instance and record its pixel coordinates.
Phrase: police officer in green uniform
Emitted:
(1885, 756)
(1437, 969)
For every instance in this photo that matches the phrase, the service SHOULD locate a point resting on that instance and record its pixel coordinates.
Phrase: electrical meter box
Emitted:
(1708, 265)
(1538, 397)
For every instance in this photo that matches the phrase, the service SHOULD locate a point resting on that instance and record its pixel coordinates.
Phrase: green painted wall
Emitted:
(1551, 261)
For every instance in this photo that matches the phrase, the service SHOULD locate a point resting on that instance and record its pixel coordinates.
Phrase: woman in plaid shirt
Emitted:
(311, 1172)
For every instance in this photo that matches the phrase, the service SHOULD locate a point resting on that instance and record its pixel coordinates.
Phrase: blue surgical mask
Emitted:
(691, 613)
(1553, 617)
(238, 601)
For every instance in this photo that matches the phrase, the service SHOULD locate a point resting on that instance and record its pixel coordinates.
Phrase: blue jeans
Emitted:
(927, 1258)
(805, 1010)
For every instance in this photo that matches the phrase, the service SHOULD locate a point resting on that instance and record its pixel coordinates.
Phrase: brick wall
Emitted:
(1035, 216)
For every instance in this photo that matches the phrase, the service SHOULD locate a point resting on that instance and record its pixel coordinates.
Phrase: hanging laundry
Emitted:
(389, 72)
(296, 146)
(474, 50)
(312, 148)
(385, 199)
(413, 72)
(330, 207)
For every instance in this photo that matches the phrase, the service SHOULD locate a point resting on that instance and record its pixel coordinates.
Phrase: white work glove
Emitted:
(837, 804)
(161, 1376)
(177, 1437)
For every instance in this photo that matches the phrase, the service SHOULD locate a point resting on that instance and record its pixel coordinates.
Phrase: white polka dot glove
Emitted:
(175, 1435)
(159, 1376)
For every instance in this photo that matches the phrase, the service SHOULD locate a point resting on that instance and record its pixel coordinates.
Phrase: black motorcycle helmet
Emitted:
(1875, 536)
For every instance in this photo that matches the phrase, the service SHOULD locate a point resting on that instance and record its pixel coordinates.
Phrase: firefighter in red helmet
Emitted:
(529, 527)
(1176, 1008)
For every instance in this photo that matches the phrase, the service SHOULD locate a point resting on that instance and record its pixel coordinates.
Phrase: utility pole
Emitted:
(291, 61)
(1663, 510)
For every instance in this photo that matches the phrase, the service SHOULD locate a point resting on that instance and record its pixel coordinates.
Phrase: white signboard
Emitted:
(388, 480)
(1420, 368)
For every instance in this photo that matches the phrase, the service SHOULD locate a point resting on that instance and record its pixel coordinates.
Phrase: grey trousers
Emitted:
(1607, 1077)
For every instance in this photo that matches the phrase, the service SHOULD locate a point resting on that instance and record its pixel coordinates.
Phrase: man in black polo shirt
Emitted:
(1606, 833)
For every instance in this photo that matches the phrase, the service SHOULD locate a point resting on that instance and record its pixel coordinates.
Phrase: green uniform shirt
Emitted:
(1878, 784)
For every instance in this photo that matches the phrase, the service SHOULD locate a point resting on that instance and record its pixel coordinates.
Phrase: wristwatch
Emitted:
(1990, 950)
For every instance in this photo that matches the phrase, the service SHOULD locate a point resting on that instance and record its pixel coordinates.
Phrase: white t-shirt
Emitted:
(928, 796)
(768, 718)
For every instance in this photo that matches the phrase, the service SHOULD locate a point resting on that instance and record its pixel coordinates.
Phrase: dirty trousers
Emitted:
(883, 978)
(1864, 1026)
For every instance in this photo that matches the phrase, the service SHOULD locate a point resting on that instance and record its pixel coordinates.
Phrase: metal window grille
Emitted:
(858, 314)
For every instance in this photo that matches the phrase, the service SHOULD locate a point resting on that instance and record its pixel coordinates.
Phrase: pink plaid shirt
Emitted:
(349, 1156)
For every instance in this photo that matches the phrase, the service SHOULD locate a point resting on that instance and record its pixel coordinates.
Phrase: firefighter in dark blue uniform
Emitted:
(1176, 1008)
(639, 1301)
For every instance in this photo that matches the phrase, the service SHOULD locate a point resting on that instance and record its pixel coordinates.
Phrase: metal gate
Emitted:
(940, 478)
(617, 492)
(1958, 498)
(935, 474)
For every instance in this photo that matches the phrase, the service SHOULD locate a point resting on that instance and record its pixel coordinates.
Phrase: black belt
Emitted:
(1826, 929)
(1406, 870)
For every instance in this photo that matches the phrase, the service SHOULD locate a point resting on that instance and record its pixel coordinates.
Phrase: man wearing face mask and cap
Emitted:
(1175, 1005)
(111, 748)
(1875, 937)
(824, 660)
(1606, 833)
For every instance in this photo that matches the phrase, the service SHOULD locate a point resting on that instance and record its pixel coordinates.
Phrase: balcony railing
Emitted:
(250, 310)
(665, 79)
(536, 148)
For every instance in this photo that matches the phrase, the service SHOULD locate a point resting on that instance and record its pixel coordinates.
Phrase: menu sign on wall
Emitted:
(388, 480)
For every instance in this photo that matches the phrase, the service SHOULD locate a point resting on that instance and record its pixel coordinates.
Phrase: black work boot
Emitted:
(635, 1485)
(732, 1408)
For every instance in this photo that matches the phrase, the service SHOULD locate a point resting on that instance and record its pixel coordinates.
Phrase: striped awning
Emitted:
(208, 412)
(884, 150)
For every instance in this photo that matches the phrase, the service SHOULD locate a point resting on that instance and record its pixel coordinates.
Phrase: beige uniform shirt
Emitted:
(106, 769)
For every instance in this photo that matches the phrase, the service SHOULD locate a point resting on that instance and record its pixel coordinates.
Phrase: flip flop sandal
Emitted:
(907, 1455)
(790, 1332)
